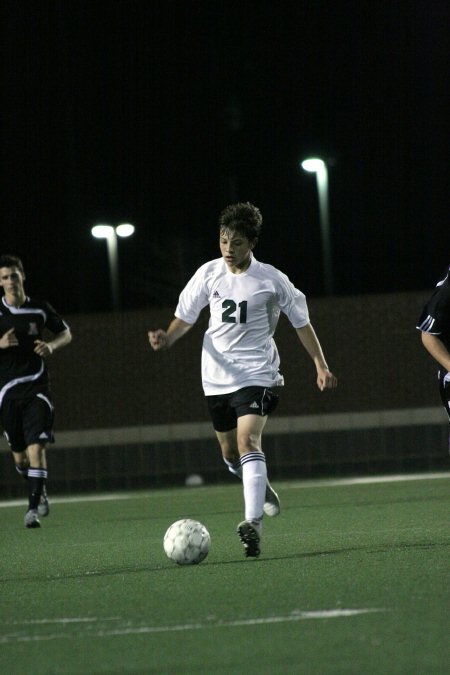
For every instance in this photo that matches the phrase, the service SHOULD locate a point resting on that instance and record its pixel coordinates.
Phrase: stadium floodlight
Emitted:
(102, 231)
(110, 233)
(313, 164)
(319, 167)
(125, 230)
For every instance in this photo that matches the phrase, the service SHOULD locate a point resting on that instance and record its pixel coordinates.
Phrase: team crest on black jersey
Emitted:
(33, 328)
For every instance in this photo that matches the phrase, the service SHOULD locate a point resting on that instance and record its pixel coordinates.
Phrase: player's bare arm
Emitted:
(437, 349)
(163, 339)
(309, 340)
(45, 349)
(9, 339)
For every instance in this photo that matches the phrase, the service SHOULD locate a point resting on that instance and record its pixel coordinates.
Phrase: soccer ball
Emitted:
(187, 542)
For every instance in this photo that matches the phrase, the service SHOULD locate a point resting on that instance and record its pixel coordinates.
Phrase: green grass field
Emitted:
(353, 578)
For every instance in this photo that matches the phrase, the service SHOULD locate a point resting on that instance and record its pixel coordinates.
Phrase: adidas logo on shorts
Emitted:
(253, 405)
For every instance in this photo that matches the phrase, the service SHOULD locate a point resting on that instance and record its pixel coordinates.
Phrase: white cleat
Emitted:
(31, 519)
(272, 502)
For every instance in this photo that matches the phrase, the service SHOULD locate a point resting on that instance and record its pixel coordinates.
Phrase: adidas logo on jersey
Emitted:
(216, 294)
(253, 405)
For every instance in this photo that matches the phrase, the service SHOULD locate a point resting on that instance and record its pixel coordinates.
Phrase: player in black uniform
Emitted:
(434, 323)
(26, 409)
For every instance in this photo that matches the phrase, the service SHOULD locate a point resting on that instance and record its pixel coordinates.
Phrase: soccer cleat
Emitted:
(272, 502)
(248, 532)
(43, 506)
(31, 519)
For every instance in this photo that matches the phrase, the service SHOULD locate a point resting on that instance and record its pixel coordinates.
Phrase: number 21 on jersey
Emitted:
(234, 313)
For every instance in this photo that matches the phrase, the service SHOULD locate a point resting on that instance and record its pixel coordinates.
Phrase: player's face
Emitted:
(11, 280)
(236, 250)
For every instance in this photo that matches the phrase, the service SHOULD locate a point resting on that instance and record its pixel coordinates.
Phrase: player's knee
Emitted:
(248, 443)
(36, 454)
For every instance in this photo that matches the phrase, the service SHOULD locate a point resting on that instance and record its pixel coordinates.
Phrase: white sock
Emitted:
(236, 469)
(254, 478)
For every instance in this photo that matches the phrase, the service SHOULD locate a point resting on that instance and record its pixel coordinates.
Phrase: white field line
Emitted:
(63, 620)
(297, 485)
(105, 497)
(201, 625)
(366, 480)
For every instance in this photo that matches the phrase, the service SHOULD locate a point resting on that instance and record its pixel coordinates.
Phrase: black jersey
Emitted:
(23, 372)
(435, 317)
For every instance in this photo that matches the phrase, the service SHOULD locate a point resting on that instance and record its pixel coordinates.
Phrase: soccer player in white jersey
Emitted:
(240, 361)
(26, 408)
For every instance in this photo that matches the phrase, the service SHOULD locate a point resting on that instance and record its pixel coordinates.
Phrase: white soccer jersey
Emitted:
(238, 346)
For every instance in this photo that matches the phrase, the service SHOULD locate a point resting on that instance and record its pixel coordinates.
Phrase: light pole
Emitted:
(318, 166)
(111, 233)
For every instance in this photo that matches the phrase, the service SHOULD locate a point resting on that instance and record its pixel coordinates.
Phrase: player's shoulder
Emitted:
(39, 305)
(439, 300)
(444, 282)
(441, 292)
(267, 271)
(210, 268)
(35, 302)
(264, 268)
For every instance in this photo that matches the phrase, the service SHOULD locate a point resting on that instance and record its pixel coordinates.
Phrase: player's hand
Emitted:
(42, 348)
(158, 339)
(9, 339)
(326, 380)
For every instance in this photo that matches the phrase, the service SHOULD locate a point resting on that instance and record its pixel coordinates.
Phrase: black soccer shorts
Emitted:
(224, 409)
(27, 421)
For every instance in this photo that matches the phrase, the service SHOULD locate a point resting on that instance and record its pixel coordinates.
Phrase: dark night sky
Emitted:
(160, 113)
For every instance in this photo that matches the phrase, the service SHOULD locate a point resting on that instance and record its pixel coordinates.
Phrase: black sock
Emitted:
(36, 480)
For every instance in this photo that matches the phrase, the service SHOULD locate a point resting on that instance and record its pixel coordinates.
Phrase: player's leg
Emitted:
(22, 463)
(230, 455)
(38, 417)
(260, 401)
(444, 392)
(12, 423)
(236, 439)
(224, 411)
(37, 475)
(253, 463)
(224, 419)
(254, 480)
(229, 448)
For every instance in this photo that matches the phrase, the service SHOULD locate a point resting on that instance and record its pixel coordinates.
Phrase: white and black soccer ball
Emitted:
(187, 542)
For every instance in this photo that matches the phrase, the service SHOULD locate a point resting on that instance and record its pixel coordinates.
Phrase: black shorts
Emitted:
(27, 421)
(226, 408)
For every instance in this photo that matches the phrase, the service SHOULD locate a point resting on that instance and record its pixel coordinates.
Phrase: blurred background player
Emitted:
(26, 408)
(434, 323)
(240, 361)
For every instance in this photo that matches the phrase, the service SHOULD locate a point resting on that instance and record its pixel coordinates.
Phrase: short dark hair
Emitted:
(244, 218)
(11, 261)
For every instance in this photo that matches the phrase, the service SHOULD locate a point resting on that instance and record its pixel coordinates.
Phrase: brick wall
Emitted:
(110, 377)
(127, 417)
